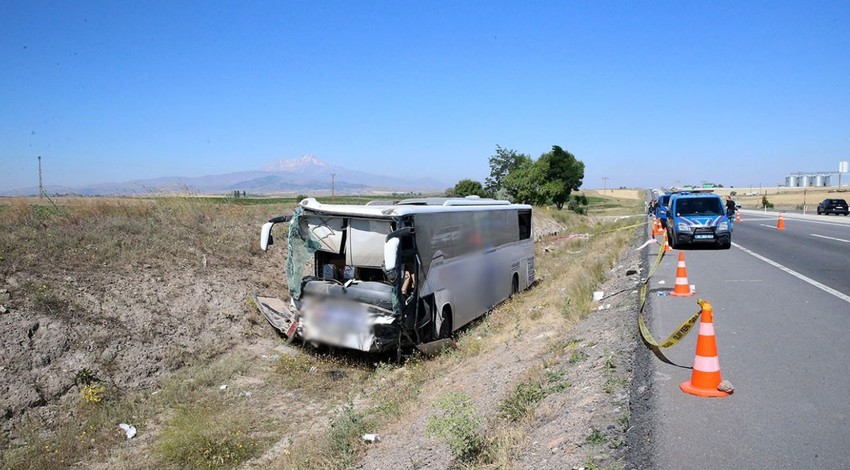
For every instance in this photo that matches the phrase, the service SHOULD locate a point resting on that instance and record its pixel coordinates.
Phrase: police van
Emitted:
(698, 218)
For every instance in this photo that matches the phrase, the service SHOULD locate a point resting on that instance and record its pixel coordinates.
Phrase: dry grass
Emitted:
(95, 234)
(561, 300)
(190, 421)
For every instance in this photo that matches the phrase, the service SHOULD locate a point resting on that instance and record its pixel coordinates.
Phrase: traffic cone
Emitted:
(781, 224)
(706, 373)
(682, 288)
(656, 228)
(667, 244)
(737, 216)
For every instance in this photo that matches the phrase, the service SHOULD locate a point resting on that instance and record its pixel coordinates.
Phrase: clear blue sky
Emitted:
(645, 93)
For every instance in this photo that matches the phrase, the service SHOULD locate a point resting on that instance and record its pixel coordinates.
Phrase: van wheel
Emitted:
(446, 323)
(515, 284)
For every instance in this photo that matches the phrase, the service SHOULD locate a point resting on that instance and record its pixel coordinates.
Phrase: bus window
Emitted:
(524, 225)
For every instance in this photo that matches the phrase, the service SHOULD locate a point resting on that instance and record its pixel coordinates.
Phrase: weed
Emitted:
(206, 437)
(521, 401)
(456, 423)
(576, 356)
(624, 419)
(93, 393)
(596, 437)
(612, 384)
(345, 430)
(526, 395)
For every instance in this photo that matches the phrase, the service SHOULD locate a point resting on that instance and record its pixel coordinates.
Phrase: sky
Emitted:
(644, 93)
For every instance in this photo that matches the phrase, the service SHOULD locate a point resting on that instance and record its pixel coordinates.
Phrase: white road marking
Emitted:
(830, 238)
(825, 288)
(768, 226)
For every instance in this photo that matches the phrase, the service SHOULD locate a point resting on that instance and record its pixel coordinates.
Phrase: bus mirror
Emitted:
(390, 253)
(266, 238)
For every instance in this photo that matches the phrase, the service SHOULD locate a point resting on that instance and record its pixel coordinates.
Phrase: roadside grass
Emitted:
(203, 426)
(561, 300)
(195, 424)
(92, 235)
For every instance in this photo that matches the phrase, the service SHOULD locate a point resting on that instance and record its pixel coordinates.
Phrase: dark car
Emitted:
(834, 206)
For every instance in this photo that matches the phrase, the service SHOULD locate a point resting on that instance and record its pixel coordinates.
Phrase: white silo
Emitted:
(805, 181)
(820, 180)
(791, 181)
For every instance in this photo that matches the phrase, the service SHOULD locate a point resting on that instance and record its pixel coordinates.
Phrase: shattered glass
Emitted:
(300, 250)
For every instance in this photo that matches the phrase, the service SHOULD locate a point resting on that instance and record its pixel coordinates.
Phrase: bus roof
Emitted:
(411, 206)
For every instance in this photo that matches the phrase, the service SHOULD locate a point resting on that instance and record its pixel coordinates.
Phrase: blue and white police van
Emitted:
(698, 218)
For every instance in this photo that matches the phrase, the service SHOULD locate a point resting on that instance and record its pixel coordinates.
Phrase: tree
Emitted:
(523, 183)
(467, 187)
(562, 174)
(501, 165)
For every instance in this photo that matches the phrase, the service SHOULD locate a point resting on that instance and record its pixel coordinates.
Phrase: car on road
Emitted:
(698, 219)
(834, 206)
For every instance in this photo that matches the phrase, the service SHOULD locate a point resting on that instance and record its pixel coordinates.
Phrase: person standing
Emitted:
(730, 210)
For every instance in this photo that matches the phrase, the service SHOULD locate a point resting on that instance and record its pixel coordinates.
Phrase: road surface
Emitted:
(782, 319)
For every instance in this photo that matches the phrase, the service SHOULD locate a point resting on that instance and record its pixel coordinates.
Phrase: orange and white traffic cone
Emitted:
(737, 216)
(780, 225)
(667, 244)
(706, 374)
(682, 288)
(656, 228)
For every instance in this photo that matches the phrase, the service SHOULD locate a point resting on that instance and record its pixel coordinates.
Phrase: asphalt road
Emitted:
(783, 335)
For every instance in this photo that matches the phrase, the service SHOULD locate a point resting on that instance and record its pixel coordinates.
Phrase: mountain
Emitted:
(307, 174)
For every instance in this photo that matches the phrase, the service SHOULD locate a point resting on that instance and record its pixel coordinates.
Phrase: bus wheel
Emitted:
(515, 284)
(446, 323)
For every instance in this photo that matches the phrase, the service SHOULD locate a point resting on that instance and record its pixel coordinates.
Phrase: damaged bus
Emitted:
(387, 275)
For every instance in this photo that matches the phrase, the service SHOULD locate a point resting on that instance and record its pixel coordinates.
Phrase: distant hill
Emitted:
(307, 174)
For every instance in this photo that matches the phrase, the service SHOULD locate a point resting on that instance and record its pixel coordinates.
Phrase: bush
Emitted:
(457, 424)
(203, 438)
(522, 401)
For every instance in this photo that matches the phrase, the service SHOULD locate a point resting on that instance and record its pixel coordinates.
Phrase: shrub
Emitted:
(203, 438)
(93, 393)
(456, 423)
(521, 401)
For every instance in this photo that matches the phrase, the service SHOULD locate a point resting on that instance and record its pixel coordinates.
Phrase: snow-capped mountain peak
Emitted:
(307, 162)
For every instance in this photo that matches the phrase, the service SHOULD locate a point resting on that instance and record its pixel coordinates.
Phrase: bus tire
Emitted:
(515, 284)
(446, 323)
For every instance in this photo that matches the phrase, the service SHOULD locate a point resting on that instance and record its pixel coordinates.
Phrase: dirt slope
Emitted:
(583, 424)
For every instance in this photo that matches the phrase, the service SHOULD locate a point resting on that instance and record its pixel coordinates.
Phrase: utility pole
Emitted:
(40, 181)
(333, 184)
(604, 183)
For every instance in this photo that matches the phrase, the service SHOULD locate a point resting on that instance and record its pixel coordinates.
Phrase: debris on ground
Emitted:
(128, 429)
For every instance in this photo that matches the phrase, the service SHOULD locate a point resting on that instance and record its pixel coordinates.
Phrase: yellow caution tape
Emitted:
(674, 338)
(680, 332)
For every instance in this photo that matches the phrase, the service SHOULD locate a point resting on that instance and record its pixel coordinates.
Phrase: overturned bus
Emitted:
(387, 275)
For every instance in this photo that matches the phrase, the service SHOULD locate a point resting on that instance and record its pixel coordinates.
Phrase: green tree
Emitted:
(501, 165)
(562, 174)
(523, 184)
(467, 187)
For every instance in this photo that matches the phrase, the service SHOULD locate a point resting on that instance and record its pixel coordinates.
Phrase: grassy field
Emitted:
(783, 198)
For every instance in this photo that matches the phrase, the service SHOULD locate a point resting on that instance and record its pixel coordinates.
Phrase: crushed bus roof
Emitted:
(410, 206)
